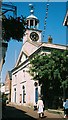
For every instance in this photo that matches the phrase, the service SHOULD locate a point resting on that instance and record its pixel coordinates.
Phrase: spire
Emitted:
(31, 8)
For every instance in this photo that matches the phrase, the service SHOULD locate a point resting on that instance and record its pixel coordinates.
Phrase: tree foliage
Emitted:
(51, 70)
(13, 28)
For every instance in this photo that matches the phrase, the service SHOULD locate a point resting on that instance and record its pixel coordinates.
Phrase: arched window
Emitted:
(14, 94)
(23, 94)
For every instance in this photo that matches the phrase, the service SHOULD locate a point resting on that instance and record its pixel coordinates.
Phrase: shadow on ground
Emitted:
(12, 113)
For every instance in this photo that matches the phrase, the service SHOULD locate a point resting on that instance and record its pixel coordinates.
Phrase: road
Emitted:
(10, 113)
(0, 108)
(16, 114)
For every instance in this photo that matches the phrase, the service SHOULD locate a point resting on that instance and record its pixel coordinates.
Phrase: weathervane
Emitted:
(31, 8)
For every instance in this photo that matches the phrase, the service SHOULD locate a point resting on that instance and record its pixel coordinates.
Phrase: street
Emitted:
(17, 113)
(13, 113)
(0, 108)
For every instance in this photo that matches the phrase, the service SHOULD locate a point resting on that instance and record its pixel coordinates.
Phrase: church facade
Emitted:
(25, 90)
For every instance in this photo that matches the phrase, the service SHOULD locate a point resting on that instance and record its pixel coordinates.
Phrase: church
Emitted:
(26, 91)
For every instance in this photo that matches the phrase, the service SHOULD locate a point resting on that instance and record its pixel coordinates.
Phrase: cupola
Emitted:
(32, 21)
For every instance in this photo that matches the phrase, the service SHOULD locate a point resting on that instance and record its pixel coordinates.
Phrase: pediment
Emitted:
(28, 48)
(21, 58)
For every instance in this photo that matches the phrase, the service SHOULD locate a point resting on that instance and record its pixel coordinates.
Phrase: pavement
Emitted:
(0, 108)
(50, 113)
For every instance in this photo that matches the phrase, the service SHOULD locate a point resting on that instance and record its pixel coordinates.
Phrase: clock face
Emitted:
(34, 36)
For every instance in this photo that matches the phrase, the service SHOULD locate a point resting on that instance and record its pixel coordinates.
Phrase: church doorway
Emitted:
(36, 95)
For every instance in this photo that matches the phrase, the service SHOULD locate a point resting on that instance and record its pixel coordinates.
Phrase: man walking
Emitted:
(40, 107)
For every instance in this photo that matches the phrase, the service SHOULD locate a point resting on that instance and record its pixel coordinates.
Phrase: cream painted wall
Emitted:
(20, 79)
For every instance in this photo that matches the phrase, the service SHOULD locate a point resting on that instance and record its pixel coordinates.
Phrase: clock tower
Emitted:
(32, 33)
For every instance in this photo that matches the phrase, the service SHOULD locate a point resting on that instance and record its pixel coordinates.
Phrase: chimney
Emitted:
(49, 39)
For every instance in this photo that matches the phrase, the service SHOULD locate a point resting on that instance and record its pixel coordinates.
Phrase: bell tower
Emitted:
(32, 21)
(32, 32)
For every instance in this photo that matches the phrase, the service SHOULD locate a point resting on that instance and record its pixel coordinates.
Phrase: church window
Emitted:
(14, 94)
(23, 93)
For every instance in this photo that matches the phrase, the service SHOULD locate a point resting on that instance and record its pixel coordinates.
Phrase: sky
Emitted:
(34, 0)
(54, 27)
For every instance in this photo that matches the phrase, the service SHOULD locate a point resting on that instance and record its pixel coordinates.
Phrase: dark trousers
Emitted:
(41, 114)
(66, 111)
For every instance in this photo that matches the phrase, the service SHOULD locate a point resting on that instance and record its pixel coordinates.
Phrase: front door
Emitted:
(36, 95)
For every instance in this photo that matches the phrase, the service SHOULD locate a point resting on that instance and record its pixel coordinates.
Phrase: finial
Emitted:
(31, 8)
(50, 39)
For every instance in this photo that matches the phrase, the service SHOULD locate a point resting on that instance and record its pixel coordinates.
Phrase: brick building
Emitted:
(8, 81)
